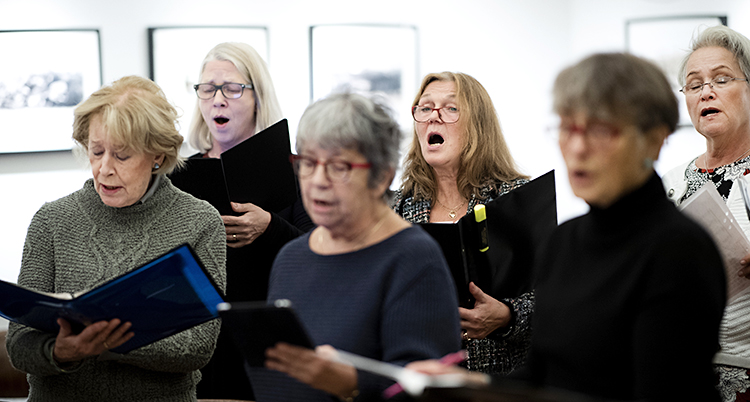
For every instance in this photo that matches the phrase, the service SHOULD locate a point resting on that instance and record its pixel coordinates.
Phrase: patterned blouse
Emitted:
(722, 177)
(505, 349)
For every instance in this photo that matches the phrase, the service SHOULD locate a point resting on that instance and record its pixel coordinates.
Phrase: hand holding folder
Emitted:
(494, 245)
(168, 295)
(255, 171)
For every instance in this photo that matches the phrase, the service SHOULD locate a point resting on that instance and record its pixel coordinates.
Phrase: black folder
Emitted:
(255, 171)
(163, 297)
(256, 326)
(517, 223)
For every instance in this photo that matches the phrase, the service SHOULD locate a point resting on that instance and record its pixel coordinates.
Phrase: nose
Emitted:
(107, 165)
(219, 99)
(707, 94)
(435, 116)
(319, 176)
(577, 143)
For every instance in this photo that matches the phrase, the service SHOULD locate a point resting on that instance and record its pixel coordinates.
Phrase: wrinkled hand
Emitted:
(92, 341)
(745, 267)
(487, 315)
(244, 229)
(317, 369)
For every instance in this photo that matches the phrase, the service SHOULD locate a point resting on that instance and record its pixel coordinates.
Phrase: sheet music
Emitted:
(708, 209)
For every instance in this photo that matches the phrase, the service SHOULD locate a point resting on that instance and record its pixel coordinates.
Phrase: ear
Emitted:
(386, 178)
(159, 159)
(655, 140)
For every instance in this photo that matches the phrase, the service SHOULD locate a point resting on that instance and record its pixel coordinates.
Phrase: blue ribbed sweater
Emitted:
(394, 301)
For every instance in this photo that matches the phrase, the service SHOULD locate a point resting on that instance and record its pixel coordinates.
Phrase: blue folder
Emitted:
(167, 295)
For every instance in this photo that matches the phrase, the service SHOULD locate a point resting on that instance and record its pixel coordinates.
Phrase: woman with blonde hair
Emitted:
(459, 158)
(236, 100)
(125, 216)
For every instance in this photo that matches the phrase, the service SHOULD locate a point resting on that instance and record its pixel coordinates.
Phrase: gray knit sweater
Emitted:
(78, 242)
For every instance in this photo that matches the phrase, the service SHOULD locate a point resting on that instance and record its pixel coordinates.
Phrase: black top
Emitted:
(629, 300)
(248, 269)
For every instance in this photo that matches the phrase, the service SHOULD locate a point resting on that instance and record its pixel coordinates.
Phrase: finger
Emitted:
(233, 238)
(65, 329)
(120, 333)
(230, 220)
(237, 207)
(478, 294)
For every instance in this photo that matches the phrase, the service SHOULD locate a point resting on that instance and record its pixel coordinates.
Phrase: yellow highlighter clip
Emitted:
(480, 215)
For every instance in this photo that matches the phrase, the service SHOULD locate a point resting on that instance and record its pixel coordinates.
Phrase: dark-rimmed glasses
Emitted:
(448, 114)
(695, 87)
(336, 170)
(230, 90)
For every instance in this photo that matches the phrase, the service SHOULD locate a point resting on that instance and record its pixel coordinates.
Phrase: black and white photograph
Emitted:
(52, 72)
(373, 59)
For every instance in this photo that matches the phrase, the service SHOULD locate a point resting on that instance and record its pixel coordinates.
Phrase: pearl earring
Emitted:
(156, 166)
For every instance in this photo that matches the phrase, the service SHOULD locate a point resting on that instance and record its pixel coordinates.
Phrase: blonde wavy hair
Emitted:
(252, 67)
(137, 116)
(485, 157)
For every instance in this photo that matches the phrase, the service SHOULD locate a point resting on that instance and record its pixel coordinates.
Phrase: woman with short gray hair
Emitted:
(715, 85)
(364, 281)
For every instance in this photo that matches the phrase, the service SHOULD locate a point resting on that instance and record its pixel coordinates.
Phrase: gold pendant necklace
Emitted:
(451, 211)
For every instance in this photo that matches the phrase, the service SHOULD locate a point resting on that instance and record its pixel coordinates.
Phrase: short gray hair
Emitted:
(617, 88)
(723, 37)
(353, 121)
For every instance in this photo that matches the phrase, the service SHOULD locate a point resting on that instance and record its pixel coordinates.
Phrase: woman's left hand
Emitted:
(745, 267)
(487, 315)
(244, 229)
(317, 369)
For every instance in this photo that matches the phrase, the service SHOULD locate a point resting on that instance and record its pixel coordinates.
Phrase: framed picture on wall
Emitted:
(666, 41)
(176, 54)
(45, 74)
(372, 59)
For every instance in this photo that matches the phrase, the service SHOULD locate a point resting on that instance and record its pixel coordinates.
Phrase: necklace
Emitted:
(717, 174)
(451, 211)
(705, 161)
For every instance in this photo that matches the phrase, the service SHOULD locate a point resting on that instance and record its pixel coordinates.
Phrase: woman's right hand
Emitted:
(94, 340)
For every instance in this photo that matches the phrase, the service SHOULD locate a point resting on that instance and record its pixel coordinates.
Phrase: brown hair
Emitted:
(485, 157)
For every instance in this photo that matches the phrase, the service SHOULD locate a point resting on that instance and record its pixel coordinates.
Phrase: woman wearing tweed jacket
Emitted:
(458, 158)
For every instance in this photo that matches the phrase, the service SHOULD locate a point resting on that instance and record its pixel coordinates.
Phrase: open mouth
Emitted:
(709, 111)
(110, 188)
(221, 120)
(435, 139)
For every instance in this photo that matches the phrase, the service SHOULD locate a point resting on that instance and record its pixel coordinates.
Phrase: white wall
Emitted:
(514, 48)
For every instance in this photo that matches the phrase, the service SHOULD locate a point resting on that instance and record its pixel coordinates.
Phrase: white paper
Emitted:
(708, 209)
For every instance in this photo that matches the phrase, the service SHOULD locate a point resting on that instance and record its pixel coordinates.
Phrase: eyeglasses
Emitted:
(335, 170)
(596, 133)
(422, 114)
(695, 87)
(230, 90)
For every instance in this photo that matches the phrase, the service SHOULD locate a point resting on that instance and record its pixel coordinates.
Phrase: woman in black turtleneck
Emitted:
(630, 295)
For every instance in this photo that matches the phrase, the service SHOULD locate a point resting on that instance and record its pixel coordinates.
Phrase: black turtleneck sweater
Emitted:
(629, 300)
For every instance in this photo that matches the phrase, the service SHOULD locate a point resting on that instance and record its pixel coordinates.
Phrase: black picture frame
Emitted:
(380, 59)
(50, 72)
